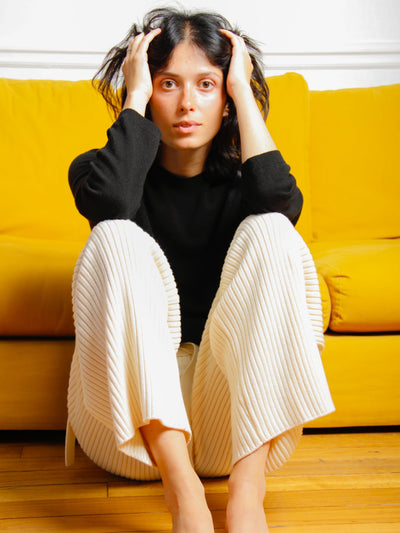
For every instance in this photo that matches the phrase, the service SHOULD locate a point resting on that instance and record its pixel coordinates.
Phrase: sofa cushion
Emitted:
(289, 124)
(35, 287)
(44, 125)
(354, 146)
(363, 282)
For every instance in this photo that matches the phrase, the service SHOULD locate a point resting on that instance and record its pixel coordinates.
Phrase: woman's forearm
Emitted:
(255, 138)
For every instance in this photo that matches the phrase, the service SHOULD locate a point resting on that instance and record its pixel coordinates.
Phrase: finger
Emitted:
(152, 34)
(231, 36)
(140, 42)
(228, 33)
(145, 42)
(133, 44)
(236, 40)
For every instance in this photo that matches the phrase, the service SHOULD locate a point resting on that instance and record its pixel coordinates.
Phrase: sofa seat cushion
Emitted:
(363, 282)
(35, 287)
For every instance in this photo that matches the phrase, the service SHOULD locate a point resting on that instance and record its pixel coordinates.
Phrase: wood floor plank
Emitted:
(7, 451)
(53, 492)
(348, 440)
(118, 489)
(366, 466)
(333, 481)
(338, 528)
(335, 515)
(345, 454)
(318, 499)
(75, 507)
(56, 477)
(89, 524)
(40, 450)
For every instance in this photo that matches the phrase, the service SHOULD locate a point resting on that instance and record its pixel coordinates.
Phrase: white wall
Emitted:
(333, 43)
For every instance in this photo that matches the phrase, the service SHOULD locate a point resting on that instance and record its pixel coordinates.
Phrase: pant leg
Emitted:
(259, 375)
(124, 370)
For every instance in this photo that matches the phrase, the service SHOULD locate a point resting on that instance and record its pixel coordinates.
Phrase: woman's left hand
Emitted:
(240, 68)
(254, 135)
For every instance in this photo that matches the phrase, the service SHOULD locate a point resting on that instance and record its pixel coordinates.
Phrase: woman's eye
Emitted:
(206, 84)
(168, 84)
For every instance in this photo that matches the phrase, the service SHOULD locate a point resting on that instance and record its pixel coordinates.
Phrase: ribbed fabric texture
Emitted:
(127, 324)
(258, 374)
(259, 359)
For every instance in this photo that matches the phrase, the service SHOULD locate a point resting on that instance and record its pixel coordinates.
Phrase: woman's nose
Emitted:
(187, 102)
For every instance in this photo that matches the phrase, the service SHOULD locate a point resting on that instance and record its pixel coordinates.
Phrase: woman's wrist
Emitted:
(241, 91)
(137, 101)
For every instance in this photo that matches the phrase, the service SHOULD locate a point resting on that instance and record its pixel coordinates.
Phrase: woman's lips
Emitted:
(186, 126)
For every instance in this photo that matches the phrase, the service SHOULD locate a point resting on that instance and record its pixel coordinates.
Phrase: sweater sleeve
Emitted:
(268, 186)
(108, 183)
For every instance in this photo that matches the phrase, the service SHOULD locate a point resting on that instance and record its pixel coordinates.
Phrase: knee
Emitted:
(262, 243)
(268, 221)
(121, 227)
(125, 245)
(109, 236)
(268, 229)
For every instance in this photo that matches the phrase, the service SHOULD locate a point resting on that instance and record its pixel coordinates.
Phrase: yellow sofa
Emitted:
(342, 146)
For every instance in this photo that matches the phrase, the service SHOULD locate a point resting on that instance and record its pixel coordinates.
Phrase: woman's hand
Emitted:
(135, 69)
(240, 68)
(254, 135)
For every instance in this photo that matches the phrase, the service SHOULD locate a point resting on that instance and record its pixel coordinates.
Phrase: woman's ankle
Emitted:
(249, 472)
(245, 508)
(187, 504)
(181, 489)
(247, 488)
(252, 489)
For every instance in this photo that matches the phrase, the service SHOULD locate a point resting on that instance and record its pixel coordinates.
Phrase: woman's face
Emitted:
(188, 101)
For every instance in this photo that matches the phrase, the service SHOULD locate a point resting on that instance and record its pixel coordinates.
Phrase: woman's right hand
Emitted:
(135, 69)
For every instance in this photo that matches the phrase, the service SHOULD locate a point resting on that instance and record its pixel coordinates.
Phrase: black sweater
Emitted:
(192, 219)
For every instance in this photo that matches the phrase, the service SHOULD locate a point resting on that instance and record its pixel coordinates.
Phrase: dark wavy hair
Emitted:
(202, 29)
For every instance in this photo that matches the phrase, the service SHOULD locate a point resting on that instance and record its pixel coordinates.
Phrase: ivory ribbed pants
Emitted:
(257, 375)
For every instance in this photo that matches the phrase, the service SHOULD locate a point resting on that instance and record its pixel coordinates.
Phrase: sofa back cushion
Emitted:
(355, 180)
(289, 123)
(44, 125)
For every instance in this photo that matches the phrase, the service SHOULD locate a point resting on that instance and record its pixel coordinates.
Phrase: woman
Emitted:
(196, 304)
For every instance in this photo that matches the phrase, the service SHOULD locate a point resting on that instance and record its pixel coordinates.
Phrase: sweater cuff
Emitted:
(265, 162)
(136, 118)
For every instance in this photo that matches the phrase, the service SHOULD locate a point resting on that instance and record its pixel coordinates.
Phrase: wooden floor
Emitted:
(337, 483)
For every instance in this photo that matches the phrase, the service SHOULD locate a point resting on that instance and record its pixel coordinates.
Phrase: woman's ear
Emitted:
(226, 110)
